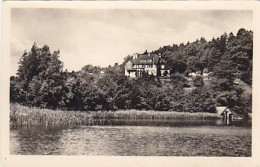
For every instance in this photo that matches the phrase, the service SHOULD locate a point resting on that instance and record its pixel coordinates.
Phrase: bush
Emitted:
(198, 81)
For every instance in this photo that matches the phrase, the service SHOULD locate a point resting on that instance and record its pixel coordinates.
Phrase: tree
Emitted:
(198, 81)
(200, 100)
(214, 57)
(191, 49)
(194, 64)
(178, 80)
(17, 95)
(41, 82)
(39, 75)
(88, 68)
(177, 62)
(223, 76)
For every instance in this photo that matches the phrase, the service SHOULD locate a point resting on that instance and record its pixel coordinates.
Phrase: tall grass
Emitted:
(22, 115)
(137, 114)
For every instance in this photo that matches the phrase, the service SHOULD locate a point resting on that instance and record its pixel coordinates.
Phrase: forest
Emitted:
(42, 82)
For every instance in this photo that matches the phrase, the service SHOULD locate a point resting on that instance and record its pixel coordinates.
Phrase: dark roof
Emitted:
(155, 59)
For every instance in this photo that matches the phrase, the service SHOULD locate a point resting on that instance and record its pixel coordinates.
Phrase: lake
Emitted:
(136, 138)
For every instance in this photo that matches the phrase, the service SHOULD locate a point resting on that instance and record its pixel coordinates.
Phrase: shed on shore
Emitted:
(225, 112)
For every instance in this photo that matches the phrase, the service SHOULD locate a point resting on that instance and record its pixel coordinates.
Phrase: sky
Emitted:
(104, 37)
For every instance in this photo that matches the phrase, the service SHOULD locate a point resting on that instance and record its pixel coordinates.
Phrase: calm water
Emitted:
(136, 138)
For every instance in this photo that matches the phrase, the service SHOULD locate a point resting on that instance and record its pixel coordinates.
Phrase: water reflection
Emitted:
(35, 140)
(171, 123)
(136, 137)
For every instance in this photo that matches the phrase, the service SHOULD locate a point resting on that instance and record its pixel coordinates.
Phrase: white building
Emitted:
(150, 63)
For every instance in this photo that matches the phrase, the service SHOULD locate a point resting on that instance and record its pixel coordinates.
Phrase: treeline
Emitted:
(42, 82)
(234, 53)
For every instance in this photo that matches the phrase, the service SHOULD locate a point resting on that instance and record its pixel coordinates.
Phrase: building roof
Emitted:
(155, 59)
(222, 109)
(149, 59)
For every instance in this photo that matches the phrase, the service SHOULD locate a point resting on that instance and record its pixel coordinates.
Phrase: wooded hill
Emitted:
(42, 82)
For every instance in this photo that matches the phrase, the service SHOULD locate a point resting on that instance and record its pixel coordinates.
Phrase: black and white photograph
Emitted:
(130, 81)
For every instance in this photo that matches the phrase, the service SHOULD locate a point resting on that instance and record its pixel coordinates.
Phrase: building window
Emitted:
(162, 66)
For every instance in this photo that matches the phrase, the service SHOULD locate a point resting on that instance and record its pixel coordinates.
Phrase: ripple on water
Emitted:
(134, 140)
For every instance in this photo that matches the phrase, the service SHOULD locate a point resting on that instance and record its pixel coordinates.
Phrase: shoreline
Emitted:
(23, 115)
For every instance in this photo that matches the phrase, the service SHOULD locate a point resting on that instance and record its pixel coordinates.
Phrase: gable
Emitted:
(222, 109)
(129, 65)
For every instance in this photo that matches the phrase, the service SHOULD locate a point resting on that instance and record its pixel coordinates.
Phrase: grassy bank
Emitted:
(22, 115)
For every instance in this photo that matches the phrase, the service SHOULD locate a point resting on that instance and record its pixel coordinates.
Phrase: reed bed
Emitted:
(22, 115)
(137, 114)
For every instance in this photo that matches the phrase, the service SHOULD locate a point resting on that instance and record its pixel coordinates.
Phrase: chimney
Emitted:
(135, 55)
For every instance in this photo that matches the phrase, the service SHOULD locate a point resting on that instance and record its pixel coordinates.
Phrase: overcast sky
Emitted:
(105, 36)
